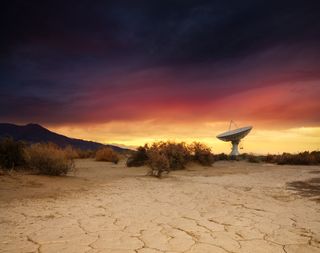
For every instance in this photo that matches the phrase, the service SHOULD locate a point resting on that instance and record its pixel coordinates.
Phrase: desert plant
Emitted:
(71, 152)
(158, 163)
(166, 156)
(316, 156)
(48, 159)
(138, 158)
(269, 158)
(303, 158)
(11, 154)
(221, 157)
(107, 154)
(253, 158)
(202, 153)
(83, 154)
(178, 154)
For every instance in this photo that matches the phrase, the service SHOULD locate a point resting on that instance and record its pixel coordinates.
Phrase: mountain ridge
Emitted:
(34, 133)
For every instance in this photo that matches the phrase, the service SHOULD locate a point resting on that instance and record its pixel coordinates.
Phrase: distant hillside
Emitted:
(34, 133)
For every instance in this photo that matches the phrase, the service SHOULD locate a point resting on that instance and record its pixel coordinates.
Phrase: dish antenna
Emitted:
(234, 136)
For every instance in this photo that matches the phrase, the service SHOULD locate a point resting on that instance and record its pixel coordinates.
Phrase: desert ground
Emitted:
(102, 207)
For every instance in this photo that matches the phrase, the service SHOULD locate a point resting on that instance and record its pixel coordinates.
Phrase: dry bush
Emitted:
(221, 157)
(254, 158)
(158, 162)
(107, 154)
(138, 158)
(11, 154)
(84, 154)
(270, 158)
(247, 157)
(77, 153)
(304, 158)
(178, 154)
(48, 159)
(166, 156)
(202, 153)
(71, 152)
(315, 156)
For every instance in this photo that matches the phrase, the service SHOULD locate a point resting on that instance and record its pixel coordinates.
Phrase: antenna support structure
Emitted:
(234, 136)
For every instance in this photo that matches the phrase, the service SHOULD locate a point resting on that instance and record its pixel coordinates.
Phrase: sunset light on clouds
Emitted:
(135, 72)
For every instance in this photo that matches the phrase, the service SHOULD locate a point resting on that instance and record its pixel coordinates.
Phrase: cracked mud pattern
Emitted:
(251, 212)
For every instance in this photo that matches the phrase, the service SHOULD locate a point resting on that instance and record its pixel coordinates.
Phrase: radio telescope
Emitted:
(234, 136)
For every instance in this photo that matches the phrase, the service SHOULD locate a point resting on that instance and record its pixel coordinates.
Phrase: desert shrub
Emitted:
(107, 154)
(316, 156)
(247, 157)
(221, 157)
(241, 157)
(253, 159)
(11, 154)
(270, 158)
(202, 153)
(138, 158)
(167, 156)
(71, 152)
(83, 154)
(158, 162)
(48, 159)
(304, 158)
(178, 154)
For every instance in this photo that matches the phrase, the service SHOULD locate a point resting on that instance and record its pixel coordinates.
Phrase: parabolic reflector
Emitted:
(235, 136)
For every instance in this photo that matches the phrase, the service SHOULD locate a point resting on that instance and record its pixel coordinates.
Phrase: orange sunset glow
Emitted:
(281, 116)
(260, 141)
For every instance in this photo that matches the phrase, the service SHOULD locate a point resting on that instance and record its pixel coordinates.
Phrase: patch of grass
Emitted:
(107, 154)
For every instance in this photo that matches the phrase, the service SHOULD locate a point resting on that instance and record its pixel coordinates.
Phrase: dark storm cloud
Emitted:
(68, 56)
(170, 31)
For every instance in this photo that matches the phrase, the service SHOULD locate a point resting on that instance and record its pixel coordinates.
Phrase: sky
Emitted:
(131, 72)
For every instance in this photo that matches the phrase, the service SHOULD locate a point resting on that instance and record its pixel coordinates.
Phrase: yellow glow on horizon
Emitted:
(259, 141)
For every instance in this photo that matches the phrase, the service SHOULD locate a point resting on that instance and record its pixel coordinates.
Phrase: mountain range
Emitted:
(34, 133)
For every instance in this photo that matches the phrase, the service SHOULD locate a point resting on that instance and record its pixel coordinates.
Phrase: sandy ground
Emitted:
(229, 207)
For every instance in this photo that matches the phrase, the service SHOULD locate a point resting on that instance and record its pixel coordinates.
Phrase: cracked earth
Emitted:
(230, 207)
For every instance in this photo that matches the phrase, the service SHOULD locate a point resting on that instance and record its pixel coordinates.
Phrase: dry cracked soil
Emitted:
(230, 207)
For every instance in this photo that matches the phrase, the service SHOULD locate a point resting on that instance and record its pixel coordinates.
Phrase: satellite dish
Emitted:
(235, 136)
